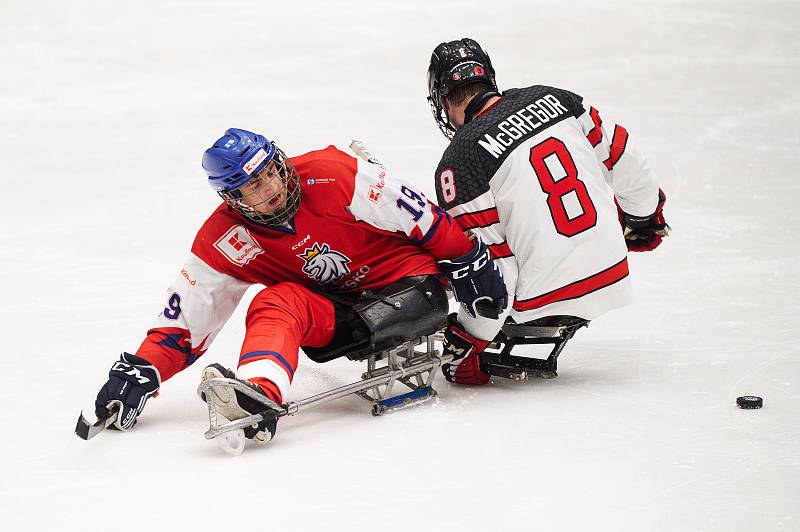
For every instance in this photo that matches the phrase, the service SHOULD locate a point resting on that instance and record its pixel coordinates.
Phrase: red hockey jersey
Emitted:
(356, 229)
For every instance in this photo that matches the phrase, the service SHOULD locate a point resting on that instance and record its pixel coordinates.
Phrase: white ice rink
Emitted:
(106, 108)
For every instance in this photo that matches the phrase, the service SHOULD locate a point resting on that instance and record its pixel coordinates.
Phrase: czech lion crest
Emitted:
(323, 264)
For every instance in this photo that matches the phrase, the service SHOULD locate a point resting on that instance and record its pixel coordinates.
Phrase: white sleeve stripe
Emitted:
(483, 202)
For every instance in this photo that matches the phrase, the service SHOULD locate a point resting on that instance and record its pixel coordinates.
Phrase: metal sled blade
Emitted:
(401, 365)
(87, 431)
(205, 386)
(415, 365)
(555, 331)
(403, 400)
(242, 423)
(218, 427)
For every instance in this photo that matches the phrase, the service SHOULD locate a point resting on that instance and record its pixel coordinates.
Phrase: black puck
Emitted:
(749, 402)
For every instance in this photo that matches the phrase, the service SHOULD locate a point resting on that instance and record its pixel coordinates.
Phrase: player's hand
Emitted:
(477, 282)
(644, 233)
(465, 367)
(131, 382)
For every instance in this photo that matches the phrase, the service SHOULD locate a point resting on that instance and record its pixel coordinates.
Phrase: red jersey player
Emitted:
(319, 231)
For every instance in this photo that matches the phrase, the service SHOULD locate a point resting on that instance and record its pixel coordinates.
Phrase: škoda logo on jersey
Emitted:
(323, 264)
(238, 246)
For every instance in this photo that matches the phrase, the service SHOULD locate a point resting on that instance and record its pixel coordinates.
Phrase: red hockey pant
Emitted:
(280, 319)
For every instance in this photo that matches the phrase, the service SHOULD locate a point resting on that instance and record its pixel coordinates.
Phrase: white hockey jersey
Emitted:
(536, 175)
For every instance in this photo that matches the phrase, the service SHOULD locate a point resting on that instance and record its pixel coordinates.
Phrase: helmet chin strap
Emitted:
(476, 104)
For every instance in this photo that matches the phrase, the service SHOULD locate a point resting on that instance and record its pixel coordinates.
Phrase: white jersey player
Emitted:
(559, 196)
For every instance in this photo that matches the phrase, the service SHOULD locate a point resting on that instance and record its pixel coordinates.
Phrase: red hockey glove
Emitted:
(466, 349)
(644, 233)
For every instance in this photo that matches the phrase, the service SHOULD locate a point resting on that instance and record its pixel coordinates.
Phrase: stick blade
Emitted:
(359, 149)
(87, 431)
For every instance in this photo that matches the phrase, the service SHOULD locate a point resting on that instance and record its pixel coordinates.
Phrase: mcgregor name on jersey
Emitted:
(523, 123)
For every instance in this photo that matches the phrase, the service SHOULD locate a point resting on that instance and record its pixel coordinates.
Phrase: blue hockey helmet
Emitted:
(237, 161)
(235, 157)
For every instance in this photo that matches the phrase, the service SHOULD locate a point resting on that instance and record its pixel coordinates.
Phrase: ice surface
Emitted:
(106, 108)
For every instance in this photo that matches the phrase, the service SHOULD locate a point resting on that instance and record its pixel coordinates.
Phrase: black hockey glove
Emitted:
(131, 382)
(644, 233)
(477, 282)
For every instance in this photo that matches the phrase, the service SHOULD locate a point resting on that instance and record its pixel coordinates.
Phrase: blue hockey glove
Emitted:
(477, 282)
(131, 382)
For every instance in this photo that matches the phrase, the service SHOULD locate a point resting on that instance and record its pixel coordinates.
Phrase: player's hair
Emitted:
(464, 93)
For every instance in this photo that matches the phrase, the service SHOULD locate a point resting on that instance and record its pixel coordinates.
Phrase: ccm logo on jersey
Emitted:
(306, 239)
(238, 246)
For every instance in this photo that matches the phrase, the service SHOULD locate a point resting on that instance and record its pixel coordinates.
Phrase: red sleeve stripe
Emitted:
(577, 289)
(618, 144)
(484, 218)
(596, 134)
(501, 250)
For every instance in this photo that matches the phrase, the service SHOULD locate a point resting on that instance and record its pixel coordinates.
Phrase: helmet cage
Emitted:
(436, 101)
(283, 170)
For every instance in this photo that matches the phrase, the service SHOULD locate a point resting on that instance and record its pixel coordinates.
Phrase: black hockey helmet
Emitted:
(455, 64)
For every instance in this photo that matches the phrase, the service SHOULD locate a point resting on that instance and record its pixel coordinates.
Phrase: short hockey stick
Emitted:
(359, 149)
(87, 431)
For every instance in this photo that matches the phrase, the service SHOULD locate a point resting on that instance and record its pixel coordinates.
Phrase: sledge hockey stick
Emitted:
(87, 431)
(359, 149)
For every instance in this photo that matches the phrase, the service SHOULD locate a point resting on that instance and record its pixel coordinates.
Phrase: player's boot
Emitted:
(233, 404)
